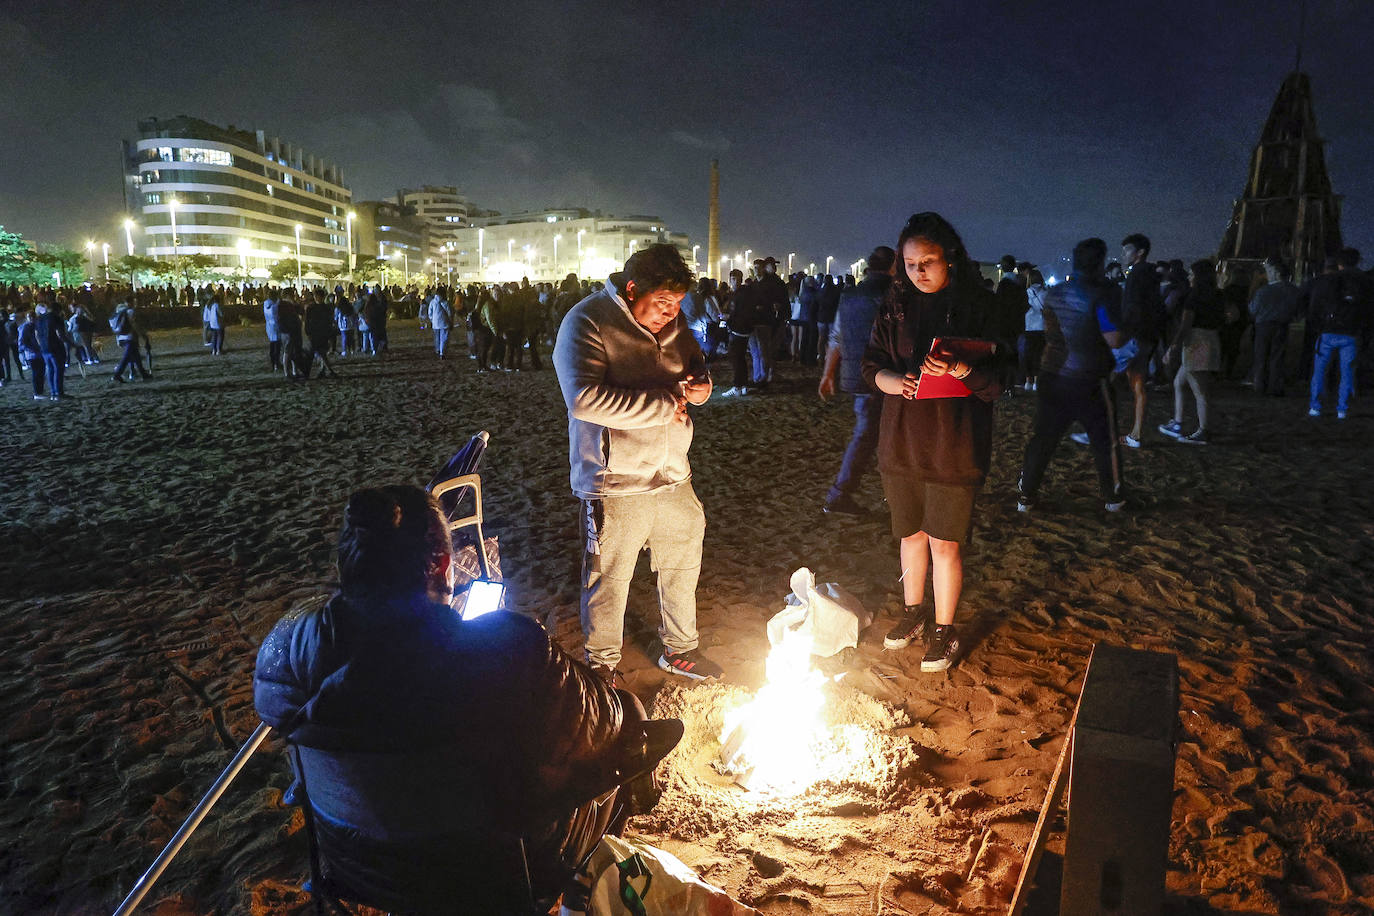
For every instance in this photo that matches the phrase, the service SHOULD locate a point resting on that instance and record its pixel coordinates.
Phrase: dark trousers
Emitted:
(533, 341)
(36, 371)
(514, 355)
(863, 446)
(1059, 403)
(1029, 350)
(482, 340)
(217, 340)
(1271, 344)
(274, 354)
(130, 359)
(739, 359)
(55, 367)
(319, 349)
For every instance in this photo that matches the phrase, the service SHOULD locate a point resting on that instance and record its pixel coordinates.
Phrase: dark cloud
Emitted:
(1031, 124)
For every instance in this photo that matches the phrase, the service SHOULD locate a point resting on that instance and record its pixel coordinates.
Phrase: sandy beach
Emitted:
(154, 532)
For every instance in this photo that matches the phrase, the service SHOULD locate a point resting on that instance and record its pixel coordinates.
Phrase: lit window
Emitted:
(164, 153)
(286, 180)
(208, 156)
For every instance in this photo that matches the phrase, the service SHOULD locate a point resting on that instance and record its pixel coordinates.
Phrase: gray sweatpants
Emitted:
(671, 523)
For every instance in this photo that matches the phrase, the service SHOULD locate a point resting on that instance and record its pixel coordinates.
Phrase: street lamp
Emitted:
(828, 259)
(744, 261)
(172, 209)
(790, 256)
(105, 251)
(243, 257)
(298, 256)
(348, 222)
(129, 241)
(448, 269)
(811, 268)
(555, 254)
(90, 254)
(724, 269)
(694, 258)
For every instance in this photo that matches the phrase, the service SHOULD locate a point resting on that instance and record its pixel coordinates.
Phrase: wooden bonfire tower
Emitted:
(1287, 209)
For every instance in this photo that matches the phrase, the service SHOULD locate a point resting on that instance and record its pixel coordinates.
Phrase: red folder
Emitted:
(970, 350)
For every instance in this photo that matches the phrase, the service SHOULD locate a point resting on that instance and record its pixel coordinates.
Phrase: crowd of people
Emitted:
(1090, 350)
(924, 344)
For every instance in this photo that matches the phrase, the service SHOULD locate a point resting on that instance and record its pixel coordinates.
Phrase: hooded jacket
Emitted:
(944, 440)
(620, 383)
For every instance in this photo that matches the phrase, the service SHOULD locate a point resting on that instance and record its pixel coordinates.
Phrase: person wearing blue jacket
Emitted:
(450, 765)
(844, 355)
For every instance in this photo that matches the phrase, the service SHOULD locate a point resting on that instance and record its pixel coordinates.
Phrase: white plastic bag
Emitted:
(632, 878)
(833, 617)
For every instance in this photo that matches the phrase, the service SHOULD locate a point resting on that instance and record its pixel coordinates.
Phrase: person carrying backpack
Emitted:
(127, 334)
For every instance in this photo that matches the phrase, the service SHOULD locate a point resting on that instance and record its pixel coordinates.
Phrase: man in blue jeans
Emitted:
(849, 334)
(1339, 308)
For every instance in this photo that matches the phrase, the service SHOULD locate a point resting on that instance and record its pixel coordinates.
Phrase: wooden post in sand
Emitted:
(1118, 758)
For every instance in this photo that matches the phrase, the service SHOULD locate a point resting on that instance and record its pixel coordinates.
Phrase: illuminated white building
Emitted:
(243, 198)
(443, 210)
(547, 245)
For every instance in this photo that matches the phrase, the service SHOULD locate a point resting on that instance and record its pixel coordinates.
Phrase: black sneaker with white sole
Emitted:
(914, 625)
(943, 650)
(691, 664)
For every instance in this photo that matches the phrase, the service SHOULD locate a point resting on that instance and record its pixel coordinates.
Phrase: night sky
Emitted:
(1029, 125)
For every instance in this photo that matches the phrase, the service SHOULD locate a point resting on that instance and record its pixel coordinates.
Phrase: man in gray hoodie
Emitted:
(628, 367)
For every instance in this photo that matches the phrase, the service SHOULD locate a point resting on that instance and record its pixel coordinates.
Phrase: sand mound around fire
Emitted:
(864, 767)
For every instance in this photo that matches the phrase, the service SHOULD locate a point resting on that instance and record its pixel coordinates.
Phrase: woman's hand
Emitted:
(890, 382)
(941, 363)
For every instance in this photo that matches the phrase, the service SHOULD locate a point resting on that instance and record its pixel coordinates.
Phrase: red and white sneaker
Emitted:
(690, 664)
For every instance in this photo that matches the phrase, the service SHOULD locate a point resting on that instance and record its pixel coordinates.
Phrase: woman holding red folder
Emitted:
(933, 452)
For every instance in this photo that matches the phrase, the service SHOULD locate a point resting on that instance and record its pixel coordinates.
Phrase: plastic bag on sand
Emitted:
(632, 878)
(832, 616)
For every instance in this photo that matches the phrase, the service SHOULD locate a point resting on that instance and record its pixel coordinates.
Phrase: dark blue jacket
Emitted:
(511, 718)
(50, 333)
(1074, 347)
(858, 309)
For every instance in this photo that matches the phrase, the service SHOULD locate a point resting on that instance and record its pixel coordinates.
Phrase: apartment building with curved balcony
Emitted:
(235, 195)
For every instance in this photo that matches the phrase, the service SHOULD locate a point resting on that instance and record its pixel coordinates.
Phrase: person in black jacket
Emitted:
(1341, 309)
(933, 454)
(319, 331)
(444, 759)
(50, 335)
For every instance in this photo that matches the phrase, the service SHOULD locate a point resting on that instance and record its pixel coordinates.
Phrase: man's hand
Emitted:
(827, 387)
(696, 390)
(680, 413)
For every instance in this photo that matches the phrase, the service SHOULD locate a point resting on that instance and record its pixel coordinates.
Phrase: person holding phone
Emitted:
(933, 453)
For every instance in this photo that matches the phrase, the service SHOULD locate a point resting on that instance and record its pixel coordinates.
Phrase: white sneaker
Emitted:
(1131, 441)
(730, 392)
(1080, 438)
(1340, 415)
(1314, 412)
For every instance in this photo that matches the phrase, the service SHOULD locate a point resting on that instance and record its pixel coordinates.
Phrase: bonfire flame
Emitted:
(775, 741)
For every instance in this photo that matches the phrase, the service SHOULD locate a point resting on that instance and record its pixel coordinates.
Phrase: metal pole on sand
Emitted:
(164, 858)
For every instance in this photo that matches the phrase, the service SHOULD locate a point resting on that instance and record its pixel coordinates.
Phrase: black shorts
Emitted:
(943, 511)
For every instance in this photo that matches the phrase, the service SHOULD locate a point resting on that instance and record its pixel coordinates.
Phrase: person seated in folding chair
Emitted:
(445, 765)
